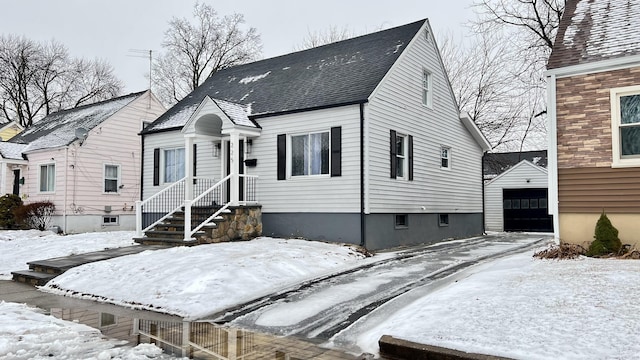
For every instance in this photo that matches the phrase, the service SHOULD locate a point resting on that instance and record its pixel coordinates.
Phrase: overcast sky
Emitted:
(109, 29)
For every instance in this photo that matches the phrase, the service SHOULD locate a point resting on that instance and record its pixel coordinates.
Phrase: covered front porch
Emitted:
(196, 209)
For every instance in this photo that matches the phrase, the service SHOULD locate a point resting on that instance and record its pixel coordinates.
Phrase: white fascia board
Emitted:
(475, 132)
(595, 67)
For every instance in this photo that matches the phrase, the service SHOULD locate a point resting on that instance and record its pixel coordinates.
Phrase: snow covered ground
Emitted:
(26, 333)
(18, 247)
(516, 306)
(524, 308)
(196, 281)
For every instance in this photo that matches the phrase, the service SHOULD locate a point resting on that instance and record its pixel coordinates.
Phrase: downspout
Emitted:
(141, 167)
(66, 190)
(484, 212)
(552, 156)
(363, 238)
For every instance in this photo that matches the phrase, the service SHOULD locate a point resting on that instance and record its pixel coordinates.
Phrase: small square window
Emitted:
(542, 203)
(515, 204)
(524, 204)
(533, 203)
(110, 220)
(402, 221)
(107, 319)
(443, 219)
(506, 204)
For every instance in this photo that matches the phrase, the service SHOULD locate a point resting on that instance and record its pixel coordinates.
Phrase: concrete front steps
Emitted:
(41, 271)
(170, 231)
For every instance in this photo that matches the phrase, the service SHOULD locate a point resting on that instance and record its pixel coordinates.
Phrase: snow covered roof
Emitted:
(238, 113)
(58, 129)
(11, 151)
(594, 30)
(344, 72)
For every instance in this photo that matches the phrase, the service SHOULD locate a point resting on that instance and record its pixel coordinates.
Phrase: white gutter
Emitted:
(552, 154)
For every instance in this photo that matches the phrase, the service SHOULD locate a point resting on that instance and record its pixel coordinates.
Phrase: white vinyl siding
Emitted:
(208, 165)
(396, 105)
(309, 193)
(524, 175)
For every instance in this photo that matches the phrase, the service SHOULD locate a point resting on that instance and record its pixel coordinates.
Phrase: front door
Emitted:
(240, 169)
(16, 182)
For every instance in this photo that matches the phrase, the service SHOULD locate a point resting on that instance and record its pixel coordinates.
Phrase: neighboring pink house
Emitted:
(86, 160)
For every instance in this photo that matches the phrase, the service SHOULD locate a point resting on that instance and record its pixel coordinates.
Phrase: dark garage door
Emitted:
(526, 210)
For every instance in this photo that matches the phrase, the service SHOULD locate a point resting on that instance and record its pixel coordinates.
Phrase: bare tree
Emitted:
(195, 51)
(37, 79)
(497, 77)
(327, 36)
(485, 82)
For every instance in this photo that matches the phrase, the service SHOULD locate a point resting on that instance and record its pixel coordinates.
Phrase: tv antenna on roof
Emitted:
(148, 54)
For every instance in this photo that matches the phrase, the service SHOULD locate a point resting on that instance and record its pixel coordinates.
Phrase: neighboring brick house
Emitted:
(593, 82)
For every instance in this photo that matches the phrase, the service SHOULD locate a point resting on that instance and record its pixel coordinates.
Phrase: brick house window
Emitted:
(625, 126)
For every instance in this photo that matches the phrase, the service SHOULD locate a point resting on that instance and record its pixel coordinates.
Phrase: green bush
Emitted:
(8, 204)
(36, 215)
(606, 239)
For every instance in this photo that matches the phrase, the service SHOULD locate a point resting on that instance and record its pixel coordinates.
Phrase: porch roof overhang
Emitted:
(216, 118)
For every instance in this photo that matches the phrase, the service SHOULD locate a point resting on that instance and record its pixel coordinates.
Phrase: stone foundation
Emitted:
(242, 223)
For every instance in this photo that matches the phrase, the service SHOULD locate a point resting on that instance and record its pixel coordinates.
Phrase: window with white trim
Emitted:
(625, 126)
(427, 88)
(173, 165)
(445, 157)
(111, 178)
(47, 178)
(401, 156)
(310, 154)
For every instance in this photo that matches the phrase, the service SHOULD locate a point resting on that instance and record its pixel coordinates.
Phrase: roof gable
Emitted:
(523, 163)
(344, 72)
(58, 129)
(595, 30)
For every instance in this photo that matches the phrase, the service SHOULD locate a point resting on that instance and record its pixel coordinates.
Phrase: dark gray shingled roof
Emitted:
(58, 129)
(594, 30)
(497, 163)
(344, 72)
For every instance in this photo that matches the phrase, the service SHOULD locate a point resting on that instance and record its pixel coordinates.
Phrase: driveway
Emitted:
(324, 308)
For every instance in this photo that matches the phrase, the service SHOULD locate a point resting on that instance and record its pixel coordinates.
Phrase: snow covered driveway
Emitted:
(324, 307)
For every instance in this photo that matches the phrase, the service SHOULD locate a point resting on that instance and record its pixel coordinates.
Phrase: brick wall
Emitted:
(584, 117)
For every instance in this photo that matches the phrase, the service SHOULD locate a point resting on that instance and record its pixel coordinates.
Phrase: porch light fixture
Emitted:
(216, 149)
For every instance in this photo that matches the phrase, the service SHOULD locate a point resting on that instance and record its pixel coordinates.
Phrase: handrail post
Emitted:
(138, 218)
(187, 220)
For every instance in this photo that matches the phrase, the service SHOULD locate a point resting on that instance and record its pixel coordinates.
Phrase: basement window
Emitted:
(402, 221)
(443, 219)
(110, 220)
(107, 319)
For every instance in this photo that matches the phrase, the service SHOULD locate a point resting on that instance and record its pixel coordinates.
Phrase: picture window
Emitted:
(310, 154)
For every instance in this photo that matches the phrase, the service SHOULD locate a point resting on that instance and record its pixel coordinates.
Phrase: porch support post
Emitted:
(235, 161)
(188, 185)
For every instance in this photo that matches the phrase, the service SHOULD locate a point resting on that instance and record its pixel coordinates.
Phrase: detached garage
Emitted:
(517, 200)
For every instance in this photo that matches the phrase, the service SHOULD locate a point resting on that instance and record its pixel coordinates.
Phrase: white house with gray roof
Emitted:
(358, 141)
(86, 160)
